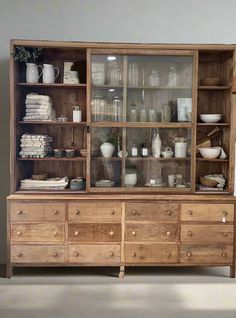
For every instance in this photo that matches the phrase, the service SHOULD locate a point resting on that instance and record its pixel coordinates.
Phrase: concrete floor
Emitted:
(145, 292)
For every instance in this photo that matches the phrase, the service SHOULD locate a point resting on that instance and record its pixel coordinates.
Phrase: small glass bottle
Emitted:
(172, 76)
(144, 150)
(117, 108)
(134, 150)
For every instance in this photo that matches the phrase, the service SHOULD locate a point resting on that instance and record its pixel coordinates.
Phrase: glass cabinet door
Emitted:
(141, 117)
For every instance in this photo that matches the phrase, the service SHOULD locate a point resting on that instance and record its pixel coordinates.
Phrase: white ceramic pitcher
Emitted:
(49, 73)
(32, 73)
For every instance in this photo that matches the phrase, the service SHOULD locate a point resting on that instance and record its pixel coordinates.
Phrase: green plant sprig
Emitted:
(29, 55)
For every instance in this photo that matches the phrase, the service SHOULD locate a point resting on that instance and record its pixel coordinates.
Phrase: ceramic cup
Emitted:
(171, 180)
(180, 149)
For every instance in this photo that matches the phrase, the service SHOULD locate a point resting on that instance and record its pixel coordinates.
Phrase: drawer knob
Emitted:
(133, 254)
(189, 254)
(134, 212)
(224, 254)
(76, 233)
(190, 212)
(111, 233)
(55, 254)
(113, 212)
(56, 212)
(18, 233)
(112, 254)
(168, 233)
(20, 212)
(19, 254)
(55, 233)
(133, 233)
(169, 212)
(225, 234)
(168, 254)
(190, 233)
(77, 212)
(225, 213)
(76, 254)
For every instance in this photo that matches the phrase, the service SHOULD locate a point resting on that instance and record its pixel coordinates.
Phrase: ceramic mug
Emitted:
(171, 180)
(180, 149)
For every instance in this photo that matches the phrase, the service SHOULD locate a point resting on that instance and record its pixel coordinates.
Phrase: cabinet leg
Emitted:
(9, 271)
(232, 271)
(122, 272)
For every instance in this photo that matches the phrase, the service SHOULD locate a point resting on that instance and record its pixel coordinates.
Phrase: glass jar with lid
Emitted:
(114, 75)
(98, 108)
(116, 108)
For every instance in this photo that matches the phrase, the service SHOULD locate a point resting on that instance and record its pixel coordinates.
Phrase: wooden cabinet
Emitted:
(132, 209)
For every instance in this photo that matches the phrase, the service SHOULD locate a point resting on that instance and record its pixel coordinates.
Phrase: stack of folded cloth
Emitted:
(39, 107)
(35, 146)
(48, 184)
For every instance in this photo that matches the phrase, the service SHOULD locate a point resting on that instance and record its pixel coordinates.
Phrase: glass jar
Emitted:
(114, 75)
(154, 78)
(133, 75)
(98, 108)
(143, 115)
(116, 108)
(133, 113)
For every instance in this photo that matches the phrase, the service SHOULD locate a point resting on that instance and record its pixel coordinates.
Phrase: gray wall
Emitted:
(157, 21)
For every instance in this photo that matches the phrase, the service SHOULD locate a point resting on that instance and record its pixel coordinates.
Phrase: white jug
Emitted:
(49, 73)
(32, 73)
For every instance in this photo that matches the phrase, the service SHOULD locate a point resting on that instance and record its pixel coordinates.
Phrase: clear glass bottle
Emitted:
(134, 150)
(154, 78)
(144, 150)
(133, 75)
(117, 108)
(172, 76)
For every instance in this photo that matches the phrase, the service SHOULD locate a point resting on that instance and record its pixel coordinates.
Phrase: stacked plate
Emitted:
(104, 183)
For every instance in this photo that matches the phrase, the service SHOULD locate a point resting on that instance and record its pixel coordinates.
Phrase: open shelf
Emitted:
(52, 159)
(53, 85)
(214, 87)
(213, 160)
(213, 124)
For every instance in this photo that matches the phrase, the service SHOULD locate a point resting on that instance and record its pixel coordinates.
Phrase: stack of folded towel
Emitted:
(35, 146)
(49, 184)
(39, 107)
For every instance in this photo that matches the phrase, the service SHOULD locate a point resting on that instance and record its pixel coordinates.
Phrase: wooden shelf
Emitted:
(212, 160)
(213, 124)
(54, 85)
(157, 159)
(64, 191)
(219, 88)
(107, 159)
(142, 124)
(160, 87)
(53, 123)
(107, 86)
(52, 159)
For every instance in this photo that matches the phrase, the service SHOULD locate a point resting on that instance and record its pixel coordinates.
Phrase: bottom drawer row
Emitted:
(111, 254)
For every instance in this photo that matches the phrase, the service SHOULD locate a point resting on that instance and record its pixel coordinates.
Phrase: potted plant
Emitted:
(29, 56)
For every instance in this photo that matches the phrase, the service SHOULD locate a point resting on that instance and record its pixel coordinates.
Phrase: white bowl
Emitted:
(210, 153)
(210, 118)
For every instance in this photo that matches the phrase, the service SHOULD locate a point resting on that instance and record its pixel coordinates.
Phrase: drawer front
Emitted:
(94, 232)
(37, 212)
(206, 254)
(207, 212)
(38, 232)
(94, 212)
(151, 212)
(38, 254)
(151, 232)
(207, 233)
(94, 254)
(150, 253)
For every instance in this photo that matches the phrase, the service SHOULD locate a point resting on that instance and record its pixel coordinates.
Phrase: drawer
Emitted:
(207, 233)
(151, 212)
(94, 254)
(94, 232)
(94, 212)
(38, 232)
(207, 212)
(150, 253)
(206, 254)
(37, 212)
(151, 232)
(38, 254)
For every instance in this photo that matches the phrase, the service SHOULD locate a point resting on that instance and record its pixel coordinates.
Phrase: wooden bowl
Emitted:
(42, 176)
(83, 152)
(208, 183)
(210, 81)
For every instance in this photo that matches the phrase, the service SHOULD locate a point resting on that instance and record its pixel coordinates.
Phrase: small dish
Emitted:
(210, 118)
(211, 81)
(210, 153)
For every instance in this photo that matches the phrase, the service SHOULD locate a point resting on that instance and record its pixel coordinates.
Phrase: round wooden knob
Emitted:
(56, 212)
(76, 233)
(190, 233)
(18, 233)
(134, 212)
(168, 233)
(111, 233)
(55, 233)
(168, 254)
(113, 212)
(77, 212)
(76, 254)
(19, 254)
(133, 254)
(133, 233)
(111, 254)
(169, 212)
(190, 212)
(20, 212)
(189, 254)
(55, 254)
(224, 254)
(225, 234)
(225, 213)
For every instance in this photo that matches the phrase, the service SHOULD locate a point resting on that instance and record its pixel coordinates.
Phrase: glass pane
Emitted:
(105, 162)
(158, 157)
(159, 88)
(107, 88)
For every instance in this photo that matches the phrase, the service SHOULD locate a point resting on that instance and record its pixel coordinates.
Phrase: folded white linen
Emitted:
(33, 96)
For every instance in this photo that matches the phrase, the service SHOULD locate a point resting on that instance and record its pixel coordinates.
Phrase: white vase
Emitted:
(32, 73)
(107, 149)
(156, 146)
(49, 73)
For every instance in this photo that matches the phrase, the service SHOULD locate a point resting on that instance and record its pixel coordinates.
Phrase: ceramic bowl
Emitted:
(210, 81)
(210, 153)
(210, 118)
